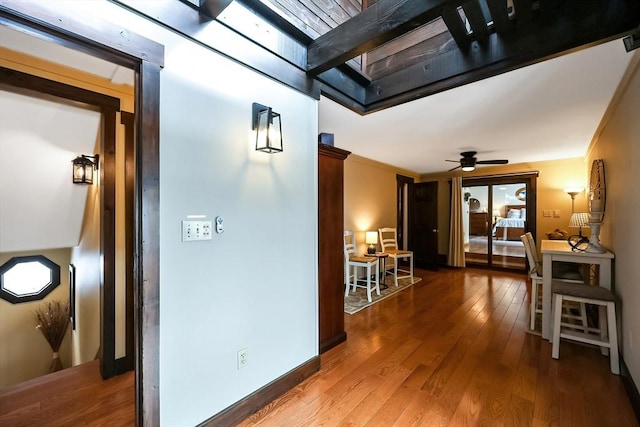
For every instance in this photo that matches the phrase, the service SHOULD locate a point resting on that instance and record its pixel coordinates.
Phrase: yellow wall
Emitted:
(369, 196)
(553, 177)
(24, 352)
(86, 339)
(619, 146)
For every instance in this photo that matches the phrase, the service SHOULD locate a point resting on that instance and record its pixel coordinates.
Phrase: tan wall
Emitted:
(369, 196)
(24, 352)
(86, 339)
(553, 177)
(619, 146)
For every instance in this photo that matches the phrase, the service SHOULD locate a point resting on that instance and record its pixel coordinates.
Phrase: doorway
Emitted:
(497, 211)
(71, 28)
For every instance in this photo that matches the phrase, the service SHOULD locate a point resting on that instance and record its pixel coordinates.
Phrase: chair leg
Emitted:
(534, 304)
(583, 317)
(377, 277)
(395, 270)
(613, 338)
(369, 282)
(557, 313)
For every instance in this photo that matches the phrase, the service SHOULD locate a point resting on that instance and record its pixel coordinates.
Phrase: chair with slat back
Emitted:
(389, 243)
(351, 264)
(569, 276)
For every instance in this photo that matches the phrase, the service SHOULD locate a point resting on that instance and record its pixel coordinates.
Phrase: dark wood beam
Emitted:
(500, 15)
(529, 45)
(456, 26)
(476, 18)
(213, 8)
(376, 25)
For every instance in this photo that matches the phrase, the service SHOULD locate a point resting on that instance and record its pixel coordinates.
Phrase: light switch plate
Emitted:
(546, 213)
(196, 230)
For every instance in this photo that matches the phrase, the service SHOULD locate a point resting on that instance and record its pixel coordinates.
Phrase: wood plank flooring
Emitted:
(452, 350)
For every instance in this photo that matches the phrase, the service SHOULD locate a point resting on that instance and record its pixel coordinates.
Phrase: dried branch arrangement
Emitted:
(52, 318)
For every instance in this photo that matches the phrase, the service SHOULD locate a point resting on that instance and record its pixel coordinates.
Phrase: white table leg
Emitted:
(547, 270)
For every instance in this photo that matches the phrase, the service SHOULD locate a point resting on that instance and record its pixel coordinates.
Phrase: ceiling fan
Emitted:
(468, 161)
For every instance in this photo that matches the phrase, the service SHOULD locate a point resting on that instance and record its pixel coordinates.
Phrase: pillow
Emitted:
(523, 213)
(513, 213)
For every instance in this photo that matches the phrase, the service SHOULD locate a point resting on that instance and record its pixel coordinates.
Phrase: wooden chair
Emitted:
(567, 275)
(389, 244)
(582, 294)
(352, 260)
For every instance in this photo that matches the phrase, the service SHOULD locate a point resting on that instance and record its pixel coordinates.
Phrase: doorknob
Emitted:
(435, 230)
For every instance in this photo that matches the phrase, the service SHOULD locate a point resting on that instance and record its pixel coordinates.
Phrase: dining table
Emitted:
(561, 251)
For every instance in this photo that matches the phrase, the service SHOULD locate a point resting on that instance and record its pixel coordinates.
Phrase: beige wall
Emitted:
(553, 177)
(619, 146)
(24, 352)
(369, 196)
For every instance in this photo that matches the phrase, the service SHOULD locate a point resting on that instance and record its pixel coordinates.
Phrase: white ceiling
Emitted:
(546, 111)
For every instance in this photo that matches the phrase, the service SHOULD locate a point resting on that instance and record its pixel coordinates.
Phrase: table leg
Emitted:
(547, 325)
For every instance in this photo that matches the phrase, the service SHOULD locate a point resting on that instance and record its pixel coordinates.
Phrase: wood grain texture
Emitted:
(452, 351)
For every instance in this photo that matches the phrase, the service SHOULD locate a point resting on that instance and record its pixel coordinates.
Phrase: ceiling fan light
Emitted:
(468, 168)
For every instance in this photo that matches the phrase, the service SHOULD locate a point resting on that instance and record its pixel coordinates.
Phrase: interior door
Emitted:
(424, 228)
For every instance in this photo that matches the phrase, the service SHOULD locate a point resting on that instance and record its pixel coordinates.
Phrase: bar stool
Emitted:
(587, 294)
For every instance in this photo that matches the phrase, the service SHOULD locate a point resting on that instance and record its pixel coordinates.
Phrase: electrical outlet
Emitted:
(243, 358)
(556, 213)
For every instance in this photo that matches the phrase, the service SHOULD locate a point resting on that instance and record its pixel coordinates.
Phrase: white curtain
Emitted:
(456, 227)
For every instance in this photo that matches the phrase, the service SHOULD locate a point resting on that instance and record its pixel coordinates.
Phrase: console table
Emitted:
(560, 250)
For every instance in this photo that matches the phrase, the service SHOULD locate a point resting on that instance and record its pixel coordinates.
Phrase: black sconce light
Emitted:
(266, 123)
(83, 167)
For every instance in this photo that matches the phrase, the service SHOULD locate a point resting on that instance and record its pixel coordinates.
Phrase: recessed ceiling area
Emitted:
(546, 111)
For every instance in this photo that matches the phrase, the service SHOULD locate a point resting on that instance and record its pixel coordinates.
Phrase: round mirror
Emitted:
(521, 194)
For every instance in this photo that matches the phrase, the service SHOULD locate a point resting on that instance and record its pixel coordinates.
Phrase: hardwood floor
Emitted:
(452, 350)
(72, 397)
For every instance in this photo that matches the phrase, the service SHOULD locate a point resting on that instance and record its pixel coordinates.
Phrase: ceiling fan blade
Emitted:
(454, 161)
(457, 167)
(492, 162)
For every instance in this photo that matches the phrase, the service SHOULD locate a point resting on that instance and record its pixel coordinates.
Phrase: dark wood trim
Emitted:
(108, 243)
(128, 120)
(631, 388)
(331, 151)
(236, 413)
(90, 34)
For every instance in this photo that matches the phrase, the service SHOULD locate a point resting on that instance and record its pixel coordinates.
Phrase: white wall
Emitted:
(255, 286)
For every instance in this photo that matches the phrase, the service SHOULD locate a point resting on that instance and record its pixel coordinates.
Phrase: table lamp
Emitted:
(578, 220)
(371, 238)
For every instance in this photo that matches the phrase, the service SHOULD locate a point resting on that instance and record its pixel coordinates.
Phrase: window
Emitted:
(28, 278)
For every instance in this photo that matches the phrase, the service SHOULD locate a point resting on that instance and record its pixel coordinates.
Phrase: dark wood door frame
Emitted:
(90, 34)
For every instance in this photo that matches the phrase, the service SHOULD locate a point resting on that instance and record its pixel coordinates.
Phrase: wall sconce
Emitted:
(371, 238)
(573, 192)
(83, 167)
(266, 122)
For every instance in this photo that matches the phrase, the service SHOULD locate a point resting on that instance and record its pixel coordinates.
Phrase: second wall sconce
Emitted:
(266, 123)
(83, 167)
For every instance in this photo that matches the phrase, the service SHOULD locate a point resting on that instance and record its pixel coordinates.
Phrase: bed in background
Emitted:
(512, 225)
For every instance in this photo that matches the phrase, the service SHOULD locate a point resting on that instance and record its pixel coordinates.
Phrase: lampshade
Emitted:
(371, 238)
(579, 220)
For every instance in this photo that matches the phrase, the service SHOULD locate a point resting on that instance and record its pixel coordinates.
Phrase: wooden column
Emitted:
(330, 245)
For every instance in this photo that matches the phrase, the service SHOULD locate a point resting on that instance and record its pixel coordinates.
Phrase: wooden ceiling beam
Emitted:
(456, 27)
(476, 18)
(213, 8)
(527, 45)
(500, 15)
(379, 23)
